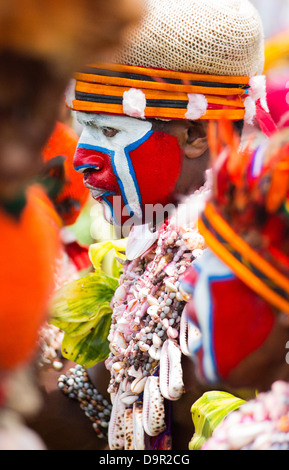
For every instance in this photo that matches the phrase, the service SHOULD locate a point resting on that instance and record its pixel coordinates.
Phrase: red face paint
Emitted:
(233, 320)
(155, 163)
(242, 321)
(97, 170)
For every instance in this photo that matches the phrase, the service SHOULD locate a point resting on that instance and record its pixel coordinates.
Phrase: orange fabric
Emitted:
(28, 250)
(162, 73)
(241, 270)
(279, 188)
(185, 77)
(118, 91)
(63, 141)
(168, 87)
(161, 113)
(112, 80)
(244, 249)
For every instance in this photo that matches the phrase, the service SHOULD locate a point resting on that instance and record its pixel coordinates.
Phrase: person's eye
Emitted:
(109, 131)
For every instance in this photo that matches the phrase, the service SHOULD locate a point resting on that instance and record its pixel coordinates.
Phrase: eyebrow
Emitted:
(101, 122)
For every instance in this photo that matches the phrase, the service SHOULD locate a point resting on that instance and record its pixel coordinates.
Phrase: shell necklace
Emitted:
(147, 338)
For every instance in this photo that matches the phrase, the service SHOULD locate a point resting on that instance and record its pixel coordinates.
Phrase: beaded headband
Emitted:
(157, 93)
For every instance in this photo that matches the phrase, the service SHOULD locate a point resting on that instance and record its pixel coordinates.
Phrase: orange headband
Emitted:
(101, 88)
(248, 265)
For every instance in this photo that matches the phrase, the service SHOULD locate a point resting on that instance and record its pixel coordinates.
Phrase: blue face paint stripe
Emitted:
(120, 185)
(128, 149)
(80, 167)
(111, 209)
(96, 148)
(139, 142)
(111, 153)
(108, 193)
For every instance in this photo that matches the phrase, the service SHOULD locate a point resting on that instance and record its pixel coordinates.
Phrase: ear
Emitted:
(196, 143)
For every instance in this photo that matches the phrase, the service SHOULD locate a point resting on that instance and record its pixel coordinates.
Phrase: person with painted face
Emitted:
(240, 286)
(240, 291)
(41, 45)
(144, 142)
(144, 116)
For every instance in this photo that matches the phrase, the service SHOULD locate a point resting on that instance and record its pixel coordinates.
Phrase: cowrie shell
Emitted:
(117, 366)
(138, 429)
(152, 300)
(157, 342)
(155, 353)
(116, 424)
(128, 399)
(171, 373)
(153, 408)
(171, 286)
(138, 385)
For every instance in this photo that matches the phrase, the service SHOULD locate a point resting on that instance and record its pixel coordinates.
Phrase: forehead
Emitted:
(111, 121)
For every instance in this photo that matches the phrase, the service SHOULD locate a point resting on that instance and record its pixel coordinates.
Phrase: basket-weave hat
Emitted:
(187, 59)
(223, 37)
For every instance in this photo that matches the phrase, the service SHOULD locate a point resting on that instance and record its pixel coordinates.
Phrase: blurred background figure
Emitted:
(42, 43)
(275, 18)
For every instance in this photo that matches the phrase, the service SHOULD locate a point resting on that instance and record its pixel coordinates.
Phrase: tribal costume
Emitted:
(165, 73)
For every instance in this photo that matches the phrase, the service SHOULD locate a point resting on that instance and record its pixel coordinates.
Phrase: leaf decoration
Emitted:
(208, 413)
(82, 310)
(89, 348)
(98, 252)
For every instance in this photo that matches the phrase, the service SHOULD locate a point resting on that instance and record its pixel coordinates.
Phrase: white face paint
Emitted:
(115, 135)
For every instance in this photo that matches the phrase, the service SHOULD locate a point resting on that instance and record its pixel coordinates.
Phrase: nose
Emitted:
(97, 169)
(85, 159)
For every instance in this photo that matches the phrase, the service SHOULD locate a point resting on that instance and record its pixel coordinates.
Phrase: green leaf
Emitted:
(79, 301)
(208, 412)
(98, 251)
(91, 348)
(82, 310)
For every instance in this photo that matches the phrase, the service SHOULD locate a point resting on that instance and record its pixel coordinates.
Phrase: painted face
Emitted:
(127, 166)
(232, 321)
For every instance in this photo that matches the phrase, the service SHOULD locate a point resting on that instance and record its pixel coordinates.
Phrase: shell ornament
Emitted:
(147, 338)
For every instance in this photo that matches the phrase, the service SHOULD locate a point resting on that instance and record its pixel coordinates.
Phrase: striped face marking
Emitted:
(122, 156)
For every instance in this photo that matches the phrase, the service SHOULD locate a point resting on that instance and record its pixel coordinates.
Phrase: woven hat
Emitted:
(188, 59)
(223, 37)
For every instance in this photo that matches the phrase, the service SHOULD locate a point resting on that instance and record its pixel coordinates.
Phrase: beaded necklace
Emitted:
(147, 314)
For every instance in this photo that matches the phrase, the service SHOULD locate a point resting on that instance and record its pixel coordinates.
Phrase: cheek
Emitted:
(157, 164)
